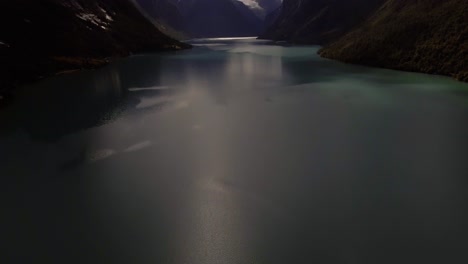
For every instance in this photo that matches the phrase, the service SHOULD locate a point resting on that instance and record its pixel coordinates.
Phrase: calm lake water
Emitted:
(236, 152)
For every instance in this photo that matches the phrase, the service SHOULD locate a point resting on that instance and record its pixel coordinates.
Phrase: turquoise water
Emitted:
(238, 151)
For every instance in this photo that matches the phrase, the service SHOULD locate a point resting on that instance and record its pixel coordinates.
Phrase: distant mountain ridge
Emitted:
(319, 21)
(206, 18)
(262, 7)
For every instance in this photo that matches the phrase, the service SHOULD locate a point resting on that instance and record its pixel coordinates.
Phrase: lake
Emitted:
(237, 151)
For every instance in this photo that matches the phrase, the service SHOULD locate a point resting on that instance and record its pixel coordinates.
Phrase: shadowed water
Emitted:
(238, 151)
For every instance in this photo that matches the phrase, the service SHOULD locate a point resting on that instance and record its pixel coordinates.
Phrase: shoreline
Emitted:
(458, 77)
(48, 67)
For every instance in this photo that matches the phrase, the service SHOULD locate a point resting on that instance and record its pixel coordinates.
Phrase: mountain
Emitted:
(271, 18)
(429, 36)
(42, 37)
(209, 18)
(262, 7)
(268, 5)
(319, 21)
(166, 15)
(220, 18)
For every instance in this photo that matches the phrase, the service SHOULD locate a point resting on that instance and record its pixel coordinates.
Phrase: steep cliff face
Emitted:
(41, 37)
(319, 21)
(429, 36)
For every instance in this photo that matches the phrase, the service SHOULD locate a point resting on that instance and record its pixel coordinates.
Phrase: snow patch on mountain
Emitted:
(251, 4)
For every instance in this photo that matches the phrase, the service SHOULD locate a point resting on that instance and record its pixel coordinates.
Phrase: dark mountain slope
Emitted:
(271, 18)
(42, 37)
(166, 15)
(429, 36)
(206, 18)
(269, 5)
(319, 21)
(221, 18)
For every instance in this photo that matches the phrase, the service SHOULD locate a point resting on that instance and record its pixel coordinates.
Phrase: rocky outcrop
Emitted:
(429, 36)
(42, 37)
(319, 21)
